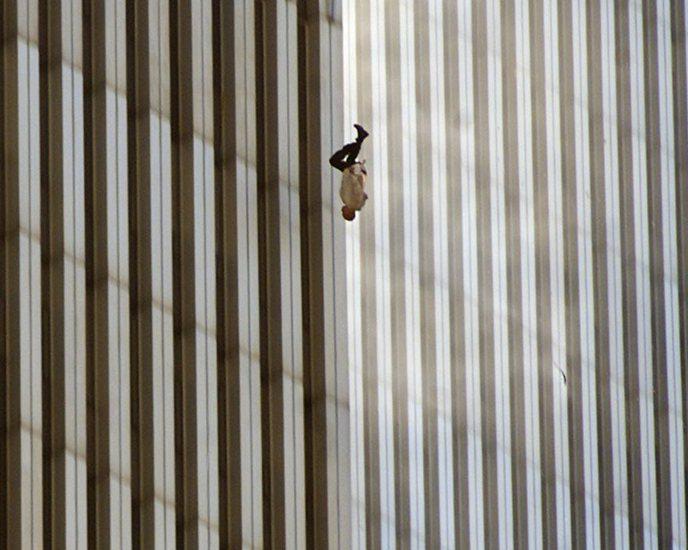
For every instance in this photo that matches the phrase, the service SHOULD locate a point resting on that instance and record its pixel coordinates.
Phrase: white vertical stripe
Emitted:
(412, 276)
(499, 276)
(379, 198)
(35, 284)
(470, 263)
(585, 275)
(247, 269)
(204, 266)
(288, 375)
(642, 275)
(161, 271)
(162, 330)
(296, 315)
(211, 299)
(24, 266)
(199, 263)
(29, 276)
(118, 269)
(614, 270)
(528, 277)
(334, 278)
(124, 383)
(292, 374)
(353, 252)
(441, 275)
(74, 276)
(557, 267)
(670, 271)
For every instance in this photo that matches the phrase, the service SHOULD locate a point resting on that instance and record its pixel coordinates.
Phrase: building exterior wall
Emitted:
(517, 281)
(173, 355)
(197, 351)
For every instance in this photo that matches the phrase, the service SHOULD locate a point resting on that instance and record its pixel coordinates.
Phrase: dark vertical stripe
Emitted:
(52, 274)
(311, 248)
(268, 151)
(312, 281)
(630, 323)
(140, 277)
(519, 476)
(96, 244)
(227, 283)
(10, 371)
(426, 218)
(369, 289)
(596, 148)
(184, 311)
(457, 346)
(397, 237)
(572, 283)
(485, 273)
(680, 92)
(660, 399)
(542, 272)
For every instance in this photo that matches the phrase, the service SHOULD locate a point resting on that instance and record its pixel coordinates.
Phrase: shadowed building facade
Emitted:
(173, 361)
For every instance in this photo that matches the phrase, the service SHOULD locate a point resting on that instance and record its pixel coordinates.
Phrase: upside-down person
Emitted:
(352, 191)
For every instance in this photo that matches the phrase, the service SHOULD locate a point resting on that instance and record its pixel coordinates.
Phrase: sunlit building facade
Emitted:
(518, 316)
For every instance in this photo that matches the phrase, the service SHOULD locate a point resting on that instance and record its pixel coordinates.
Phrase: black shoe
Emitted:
(362, 134)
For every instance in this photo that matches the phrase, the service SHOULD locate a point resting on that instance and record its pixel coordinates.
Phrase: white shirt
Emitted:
(352, 191)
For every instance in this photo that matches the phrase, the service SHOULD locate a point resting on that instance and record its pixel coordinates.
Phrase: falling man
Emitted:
(352, 191)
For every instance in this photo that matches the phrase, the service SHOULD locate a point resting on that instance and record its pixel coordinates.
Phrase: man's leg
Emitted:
(362, 134)
(346, 156)
(352, 150)
(356, 146)
(338, 160)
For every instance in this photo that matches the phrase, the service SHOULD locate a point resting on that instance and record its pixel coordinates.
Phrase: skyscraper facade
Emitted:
(173, 326)
(197, 351)
(518, 329)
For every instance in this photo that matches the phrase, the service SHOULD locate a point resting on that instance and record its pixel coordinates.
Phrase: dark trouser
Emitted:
(346, 156)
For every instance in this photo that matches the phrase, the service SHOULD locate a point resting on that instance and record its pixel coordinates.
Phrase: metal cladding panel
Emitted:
(197, 350)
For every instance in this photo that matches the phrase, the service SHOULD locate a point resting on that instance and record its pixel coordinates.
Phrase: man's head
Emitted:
(348, 213)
